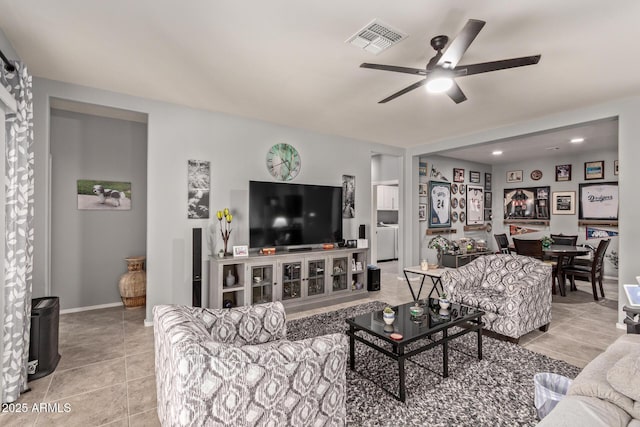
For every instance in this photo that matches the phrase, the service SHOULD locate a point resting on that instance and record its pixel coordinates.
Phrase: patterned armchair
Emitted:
(235, 367)
(514, 291)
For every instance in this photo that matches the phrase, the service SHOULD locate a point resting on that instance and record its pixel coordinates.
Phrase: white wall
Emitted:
(627, 111)
(6, 47)
(88, 247)
(237, 150)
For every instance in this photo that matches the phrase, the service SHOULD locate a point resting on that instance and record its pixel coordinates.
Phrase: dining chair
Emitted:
(533, 248)
(503, 243)
(566, 240)
(594, 271)
(529, 247)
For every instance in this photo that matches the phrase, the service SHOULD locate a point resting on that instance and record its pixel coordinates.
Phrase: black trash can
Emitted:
(43, 349)
(373, 278)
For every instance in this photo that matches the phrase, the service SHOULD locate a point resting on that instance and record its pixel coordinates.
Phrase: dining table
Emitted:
(562, 252)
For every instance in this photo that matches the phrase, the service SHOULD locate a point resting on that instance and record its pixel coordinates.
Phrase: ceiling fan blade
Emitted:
(403, 91)
(485, 67)
(456, 93)
(407, 70)
(461, 43)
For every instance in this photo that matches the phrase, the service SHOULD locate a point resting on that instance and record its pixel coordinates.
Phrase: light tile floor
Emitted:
(106, 373)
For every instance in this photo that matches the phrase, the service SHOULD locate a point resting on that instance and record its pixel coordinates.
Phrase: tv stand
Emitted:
(306, 279)
(302, 249)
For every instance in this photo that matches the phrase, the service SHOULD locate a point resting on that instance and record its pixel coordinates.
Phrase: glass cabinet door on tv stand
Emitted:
(263, 283)
(316, 277)
(291, 280)
(340, 277)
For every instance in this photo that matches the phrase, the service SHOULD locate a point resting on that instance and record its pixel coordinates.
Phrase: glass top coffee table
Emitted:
(418, 334)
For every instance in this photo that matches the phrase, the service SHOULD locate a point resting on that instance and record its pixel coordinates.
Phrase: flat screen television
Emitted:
(284, 214)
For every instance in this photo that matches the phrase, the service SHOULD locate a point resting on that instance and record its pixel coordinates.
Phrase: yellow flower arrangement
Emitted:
(225, 227)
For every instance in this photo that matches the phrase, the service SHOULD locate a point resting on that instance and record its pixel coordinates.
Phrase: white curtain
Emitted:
(18, 239)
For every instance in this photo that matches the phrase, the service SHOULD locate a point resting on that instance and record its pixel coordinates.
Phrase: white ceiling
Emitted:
(598, 135)
(286, 61)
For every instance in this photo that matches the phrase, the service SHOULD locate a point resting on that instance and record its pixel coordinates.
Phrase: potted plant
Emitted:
(440, 244)
(546, 241)
(388, 315)
(443, 301)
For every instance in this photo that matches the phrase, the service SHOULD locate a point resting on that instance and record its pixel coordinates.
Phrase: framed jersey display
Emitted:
(439, 204)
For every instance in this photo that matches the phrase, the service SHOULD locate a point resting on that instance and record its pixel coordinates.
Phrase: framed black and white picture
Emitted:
(563, 203)
(474, 177)
(475, 204)
(598, 201)
(563, 173)
(458, 175)
(199, 187)
(514, 176)
(488, 199)
(487, 181)
(439, 204)
(348, 196)
(422, 212)
(422, 190)
(615, 167)
(422, 169)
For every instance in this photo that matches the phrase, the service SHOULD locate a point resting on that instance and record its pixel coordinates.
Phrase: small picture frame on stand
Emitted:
(241, 251)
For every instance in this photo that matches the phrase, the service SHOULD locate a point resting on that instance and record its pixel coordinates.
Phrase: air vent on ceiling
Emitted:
(376, 37)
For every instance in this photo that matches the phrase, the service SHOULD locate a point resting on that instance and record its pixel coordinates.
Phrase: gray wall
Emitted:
(385, 168)
(558, 224)
(88, 247)
(237, 149)
(445, 166)
(626, 110)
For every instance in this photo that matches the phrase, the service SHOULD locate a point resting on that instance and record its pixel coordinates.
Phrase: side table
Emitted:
(433, 273)
(632, 320)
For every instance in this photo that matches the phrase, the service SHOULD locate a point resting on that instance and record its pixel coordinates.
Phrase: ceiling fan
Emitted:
(442, 69)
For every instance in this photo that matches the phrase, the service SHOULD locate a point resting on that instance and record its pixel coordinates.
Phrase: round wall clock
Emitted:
(536, 175)
(283, 162)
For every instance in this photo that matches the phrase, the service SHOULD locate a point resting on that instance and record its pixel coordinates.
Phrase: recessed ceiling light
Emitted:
(497, 153)
(577, 140)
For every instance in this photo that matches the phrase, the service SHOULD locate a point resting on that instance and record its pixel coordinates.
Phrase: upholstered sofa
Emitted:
(607, 391)
(236, 367)
(514, 292)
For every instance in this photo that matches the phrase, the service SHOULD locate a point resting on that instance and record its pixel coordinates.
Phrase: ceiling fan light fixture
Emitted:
(439, 84)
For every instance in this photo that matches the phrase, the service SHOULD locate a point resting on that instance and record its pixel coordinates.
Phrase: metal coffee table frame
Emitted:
(469, 323)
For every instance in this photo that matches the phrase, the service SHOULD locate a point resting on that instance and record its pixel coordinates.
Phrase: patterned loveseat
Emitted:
(235, 367)
(514, 291)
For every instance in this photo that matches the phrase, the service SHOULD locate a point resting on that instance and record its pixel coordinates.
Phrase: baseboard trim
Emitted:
(90, 307)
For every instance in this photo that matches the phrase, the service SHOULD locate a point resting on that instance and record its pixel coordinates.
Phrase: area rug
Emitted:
(495, 391)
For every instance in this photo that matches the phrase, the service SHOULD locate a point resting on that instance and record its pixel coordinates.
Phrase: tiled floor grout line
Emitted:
(126, 377)
(44, 397)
